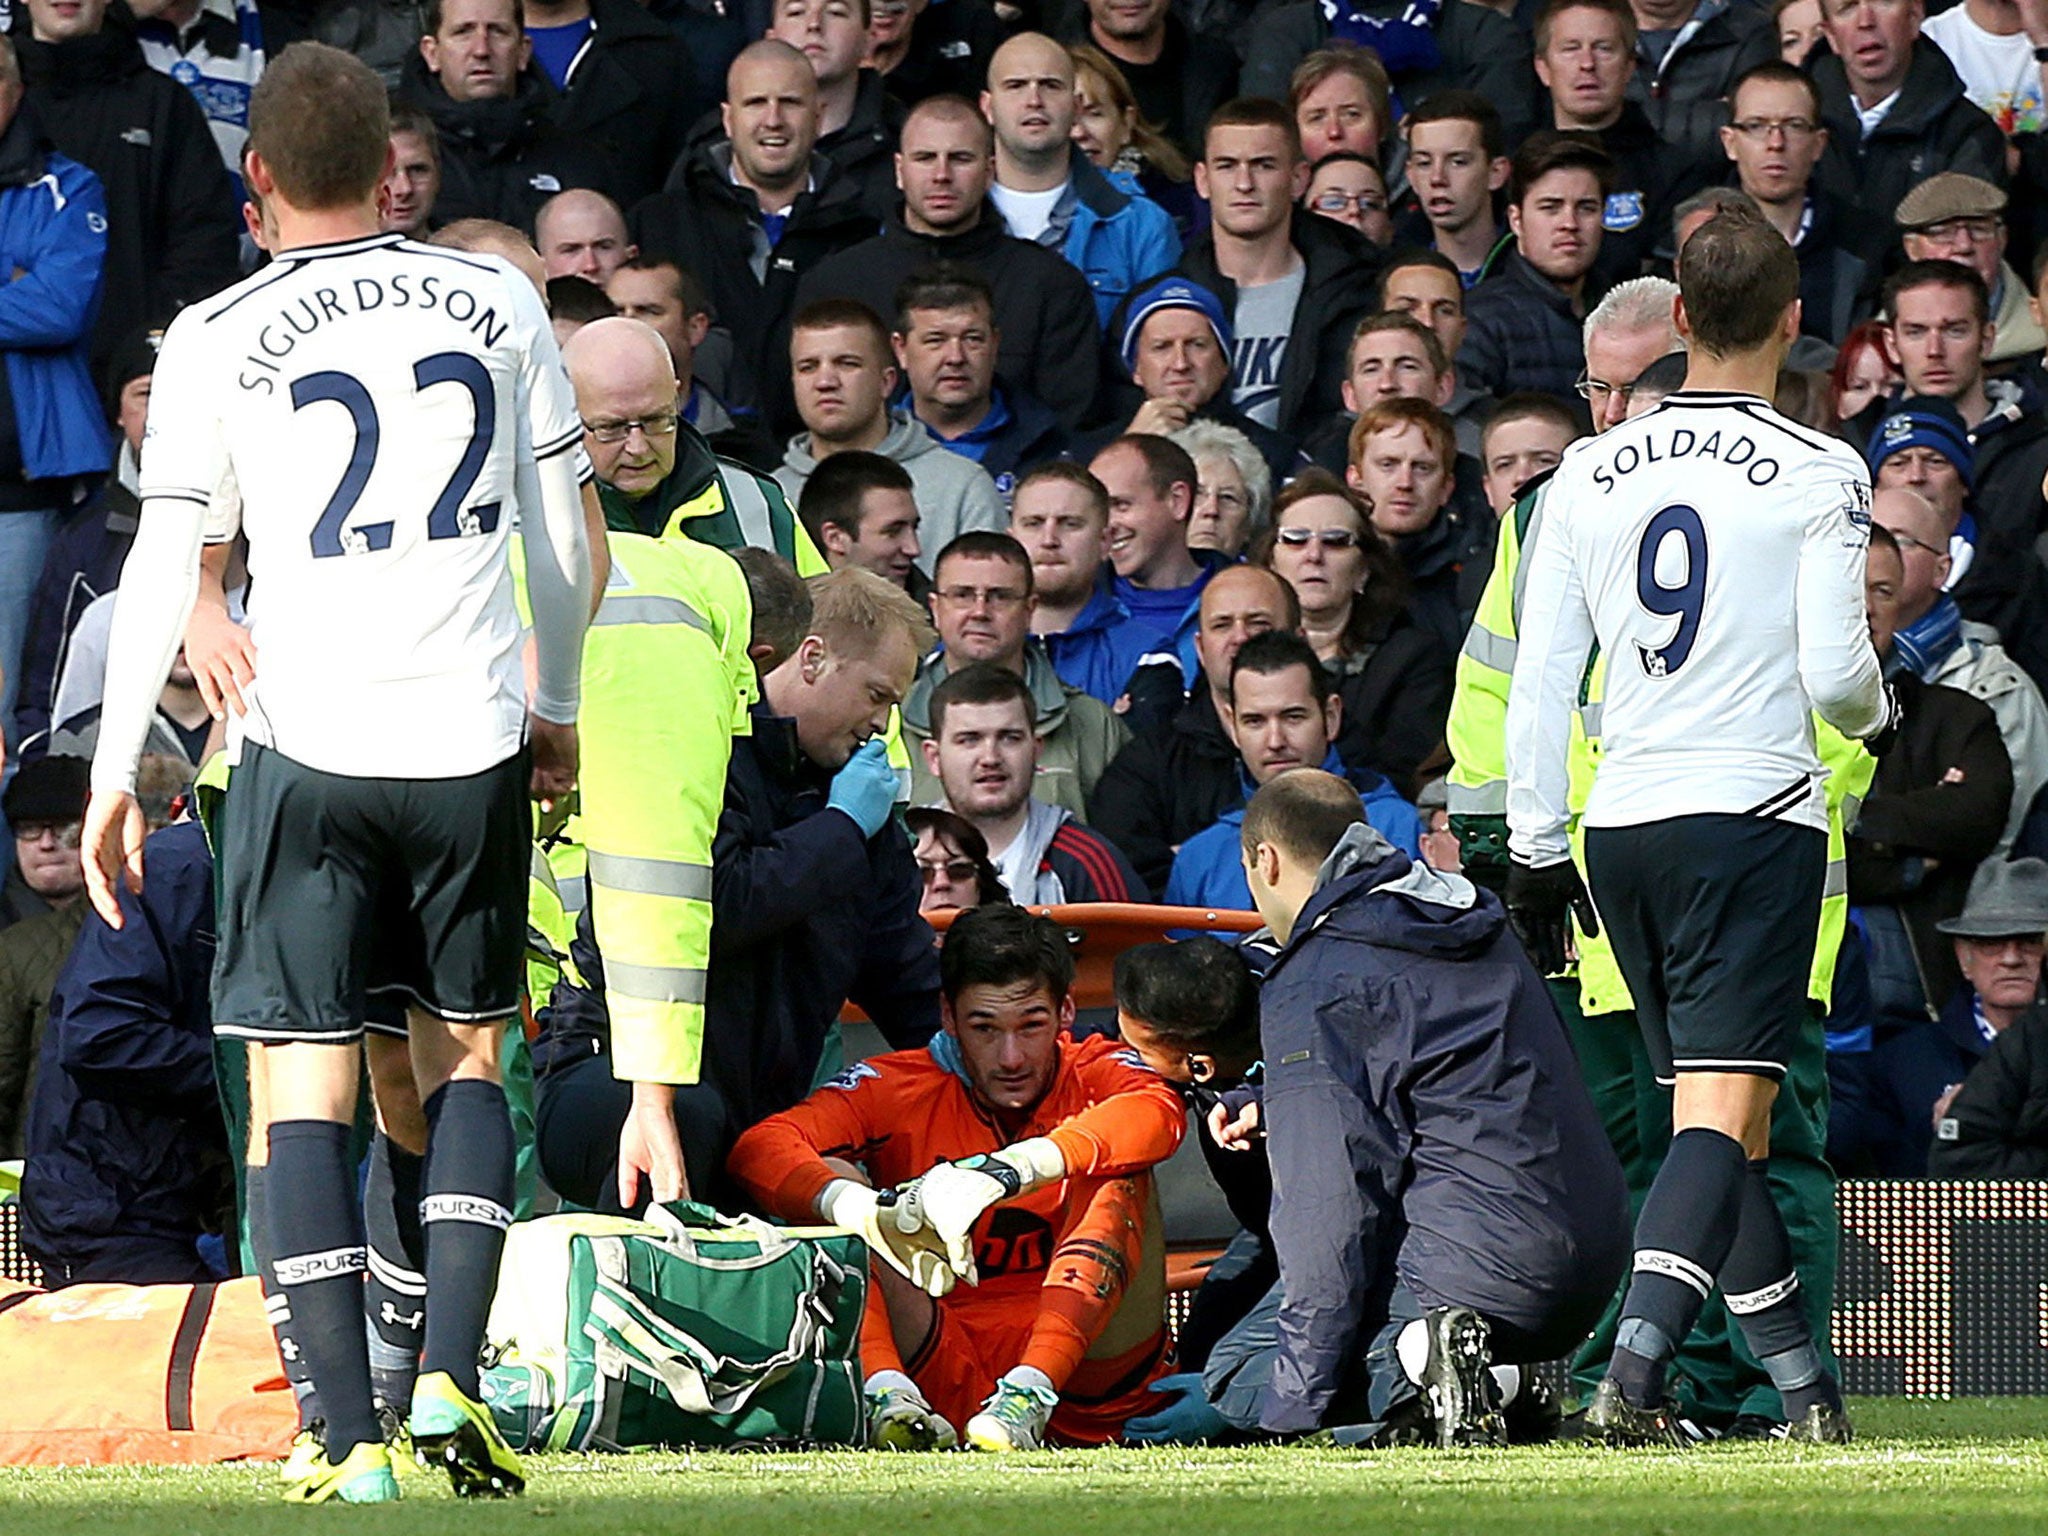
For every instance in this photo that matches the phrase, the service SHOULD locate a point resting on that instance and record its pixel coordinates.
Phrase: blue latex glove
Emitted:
(866, 787)
(1187, 1420)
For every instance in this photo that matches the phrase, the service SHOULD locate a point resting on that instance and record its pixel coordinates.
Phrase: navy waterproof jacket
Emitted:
(127, 1153)
(1425, 1120)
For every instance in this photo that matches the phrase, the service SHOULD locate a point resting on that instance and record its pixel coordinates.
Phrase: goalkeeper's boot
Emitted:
(1013, 1419)
(453, 1431)
(1613, 1420)
(1457, 1380)
(363, 1477)
(900, 1420)
(1823, 1425)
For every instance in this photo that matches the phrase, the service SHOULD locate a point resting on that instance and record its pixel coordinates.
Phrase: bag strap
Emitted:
(185, 1355)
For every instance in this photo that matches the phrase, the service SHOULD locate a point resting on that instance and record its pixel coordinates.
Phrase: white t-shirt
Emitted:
(1263, 322)
(2000, 74)
(362, 410)
(1714, 551)
(1026, 213)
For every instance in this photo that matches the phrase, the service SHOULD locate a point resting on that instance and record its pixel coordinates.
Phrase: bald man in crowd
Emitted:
(581, 233)
(655, 473)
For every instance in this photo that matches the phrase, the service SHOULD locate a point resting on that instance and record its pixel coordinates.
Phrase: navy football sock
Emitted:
(467, 1207)
(256, 1201)
(317, 1262)
(395, 1297)
(1682, 1239)
(1762, 1291)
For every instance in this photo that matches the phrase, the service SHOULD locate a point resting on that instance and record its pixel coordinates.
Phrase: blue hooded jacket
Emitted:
(1207, 872)
(53, 237)
(1099, 651)
(1426, 1122)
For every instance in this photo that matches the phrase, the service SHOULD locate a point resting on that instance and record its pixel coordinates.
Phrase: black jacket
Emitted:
(1911, 817)
(84, 561)
(1483, 51)
(1997, 1126)
(1283, 457)
(502, 159)
(1522, 332)
(808, 915)
(1030, 436)
(864, 150)
(127, 1156)
(1193, 76)
(1397, 695)
(703, 222)
(1044, 307)
(1426, 1121)
(950, 46)
(1167, 785)
(1447, 564)
(1840, 265)
(2012, 458)
(1341, 288)
(173, 231)
(1934, 127)
(1651, 177)
(625, 97)
(1686, 94)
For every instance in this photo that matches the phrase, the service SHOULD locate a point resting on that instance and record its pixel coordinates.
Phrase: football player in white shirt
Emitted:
(1713, 551)
(374, 416)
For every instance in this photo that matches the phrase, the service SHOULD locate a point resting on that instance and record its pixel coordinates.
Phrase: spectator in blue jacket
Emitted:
(1151, 482)
(1444, 1200)
(1284, 714)
(53, 242)
(1048, 192)
(1060, 514)
(128, 1167)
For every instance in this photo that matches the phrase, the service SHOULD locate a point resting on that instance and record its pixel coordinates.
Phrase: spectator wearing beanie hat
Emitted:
(1173, 338)
(45, 806)
(44, 873)
(1921, 444)
(85, 558)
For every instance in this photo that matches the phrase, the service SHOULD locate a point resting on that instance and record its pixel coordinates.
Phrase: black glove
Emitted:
(1541, 903)
(1881, 740)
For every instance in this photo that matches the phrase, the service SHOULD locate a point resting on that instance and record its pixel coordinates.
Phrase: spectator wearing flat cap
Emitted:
(1956, 217)
(1995, 1125)
(1173, 338)
(1920, 443)
(44, 872)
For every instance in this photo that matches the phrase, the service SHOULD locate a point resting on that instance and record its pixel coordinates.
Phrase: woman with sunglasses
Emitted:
(952, 860)
(1394, 677)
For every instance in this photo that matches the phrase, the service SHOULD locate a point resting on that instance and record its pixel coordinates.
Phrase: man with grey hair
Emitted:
(1627, 331)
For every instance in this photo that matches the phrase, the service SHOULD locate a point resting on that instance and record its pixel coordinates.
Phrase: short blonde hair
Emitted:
(853, 609)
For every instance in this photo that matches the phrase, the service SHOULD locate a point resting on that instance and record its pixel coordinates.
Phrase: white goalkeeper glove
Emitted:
(892, 1237)
(949, 1200)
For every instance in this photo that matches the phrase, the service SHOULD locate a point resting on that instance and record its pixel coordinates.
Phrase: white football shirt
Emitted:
(1713, 550)
(361, 410)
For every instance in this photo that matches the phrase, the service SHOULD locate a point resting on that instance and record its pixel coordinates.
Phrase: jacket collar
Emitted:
(1098, 194)
(24, 150)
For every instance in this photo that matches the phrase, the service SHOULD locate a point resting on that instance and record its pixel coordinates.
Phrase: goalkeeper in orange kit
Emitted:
(1011, 1156)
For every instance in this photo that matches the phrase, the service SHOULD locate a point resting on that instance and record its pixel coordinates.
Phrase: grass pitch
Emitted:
(1979, 1467)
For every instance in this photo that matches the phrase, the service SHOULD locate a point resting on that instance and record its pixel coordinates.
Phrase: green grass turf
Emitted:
(1979, 1466)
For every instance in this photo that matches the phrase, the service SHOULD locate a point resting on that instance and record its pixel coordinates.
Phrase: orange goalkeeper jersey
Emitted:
(897, 1115)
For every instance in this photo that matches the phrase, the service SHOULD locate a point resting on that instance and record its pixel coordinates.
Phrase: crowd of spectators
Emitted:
(1172, 366)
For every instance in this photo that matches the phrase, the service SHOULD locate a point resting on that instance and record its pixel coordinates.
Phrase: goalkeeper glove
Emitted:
(949, 1200)
(915, 1254)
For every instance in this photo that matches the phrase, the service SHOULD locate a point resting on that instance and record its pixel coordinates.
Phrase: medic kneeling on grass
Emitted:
(1010, 1156)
